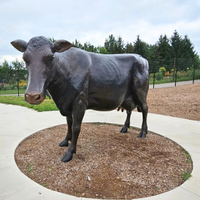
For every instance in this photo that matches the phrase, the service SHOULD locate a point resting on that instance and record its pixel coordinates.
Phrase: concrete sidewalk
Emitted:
(18, 123)
(164, 85)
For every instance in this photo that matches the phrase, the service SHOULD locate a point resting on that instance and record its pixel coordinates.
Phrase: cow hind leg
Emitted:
(127, 122)
(129, 105)
(144, 108)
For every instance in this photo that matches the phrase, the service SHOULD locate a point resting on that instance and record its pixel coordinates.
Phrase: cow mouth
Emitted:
(34, 99)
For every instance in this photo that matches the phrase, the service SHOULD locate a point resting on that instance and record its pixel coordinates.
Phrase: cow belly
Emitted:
(103, 104)
(106, 99)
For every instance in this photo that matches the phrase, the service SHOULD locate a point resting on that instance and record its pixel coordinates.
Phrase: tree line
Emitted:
(176, 53)
(13, 72)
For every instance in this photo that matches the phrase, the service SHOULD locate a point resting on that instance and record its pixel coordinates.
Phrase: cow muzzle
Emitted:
(34, 99)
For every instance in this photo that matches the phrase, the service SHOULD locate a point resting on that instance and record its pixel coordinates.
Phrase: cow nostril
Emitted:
(37, 97)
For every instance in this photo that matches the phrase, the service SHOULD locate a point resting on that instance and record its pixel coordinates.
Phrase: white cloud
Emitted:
(10, 58)
(93, 21)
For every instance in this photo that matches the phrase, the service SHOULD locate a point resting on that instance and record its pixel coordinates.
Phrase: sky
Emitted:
(93, 21)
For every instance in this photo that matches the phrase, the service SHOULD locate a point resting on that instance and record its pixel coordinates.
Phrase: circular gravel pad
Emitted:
(108, 164)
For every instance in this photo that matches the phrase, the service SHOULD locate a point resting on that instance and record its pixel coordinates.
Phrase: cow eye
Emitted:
(49, 58)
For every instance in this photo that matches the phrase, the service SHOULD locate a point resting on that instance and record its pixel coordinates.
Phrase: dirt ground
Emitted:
(182, 101)
(109, 164)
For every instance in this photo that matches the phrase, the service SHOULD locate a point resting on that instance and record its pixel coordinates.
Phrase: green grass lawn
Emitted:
(160, 81)
(47, 105)
(169, 80)
(21, 91)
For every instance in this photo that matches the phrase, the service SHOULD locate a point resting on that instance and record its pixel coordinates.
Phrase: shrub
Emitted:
(6, 87)
(159, 76)
(197, 74)
(163, 70)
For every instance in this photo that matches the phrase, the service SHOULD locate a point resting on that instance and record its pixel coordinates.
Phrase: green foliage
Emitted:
(101, 50)
(52, 40)
(181, 76)
(141, 47)
(186, 176)
(119, 46)
(11, 73)
(165, 52)
(174, 54)
(110, 44)
(154, 58)
(7, 89)
(30, 167)
(163, 70)
(129, 48)
(197, 74)
(159, 76)
(187, 155)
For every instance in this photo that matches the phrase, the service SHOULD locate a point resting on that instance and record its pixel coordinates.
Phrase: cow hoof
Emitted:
(64, 143)
(67, 157)
(142, 135)
(124, 130)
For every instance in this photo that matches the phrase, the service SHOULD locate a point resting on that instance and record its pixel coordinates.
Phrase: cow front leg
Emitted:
(68, 138)
(77, 114)
(127, 122)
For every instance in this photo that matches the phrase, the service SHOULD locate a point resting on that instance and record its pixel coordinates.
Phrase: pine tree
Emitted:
(141, 47)
(165, 52)
(129, 48)
(110, 44)
(119, 45)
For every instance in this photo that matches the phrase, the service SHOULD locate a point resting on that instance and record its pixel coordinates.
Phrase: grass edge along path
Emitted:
(47, 105)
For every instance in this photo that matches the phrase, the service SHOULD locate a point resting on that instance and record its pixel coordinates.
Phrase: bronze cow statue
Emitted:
(78, 80)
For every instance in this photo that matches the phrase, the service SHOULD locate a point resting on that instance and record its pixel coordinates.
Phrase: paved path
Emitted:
(164, 85)
(18, 123)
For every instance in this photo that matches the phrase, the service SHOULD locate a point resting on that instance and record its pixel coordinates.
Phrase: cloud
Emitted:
(11, 58)
(93, 21)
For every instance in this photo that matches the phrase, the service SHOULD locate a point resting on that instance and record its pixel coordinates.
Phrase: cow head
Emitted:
(38, 56)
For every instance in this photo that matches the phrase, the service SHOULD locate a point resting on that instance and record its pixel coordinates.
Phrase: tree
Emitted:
(129, 48)
(154, 58)
(176, 42)
(119, 45)
(10, 73)
(19, 71)
(52, 40)
(101, 50)
(89, 47)
(110, 44)
(165, 52)
(5, 72)
(77, 44)
(141, 47)
(183, 52)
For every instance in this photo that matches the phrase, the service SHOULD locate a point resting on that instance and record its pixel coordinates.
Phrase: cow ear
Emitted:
(61, 45)
(20, 45)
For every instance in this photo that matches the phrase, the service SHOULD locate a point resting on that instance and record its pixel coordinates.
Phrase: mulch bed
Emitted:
(181, 101)
(108, 164)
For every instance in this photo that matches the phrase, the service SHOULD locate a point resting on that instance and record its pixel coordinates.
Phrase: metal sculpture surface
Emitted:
(78, 80)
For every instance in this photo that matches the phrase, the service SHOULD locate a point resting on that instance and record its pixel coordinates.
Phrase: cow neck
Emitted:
(61, 89)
